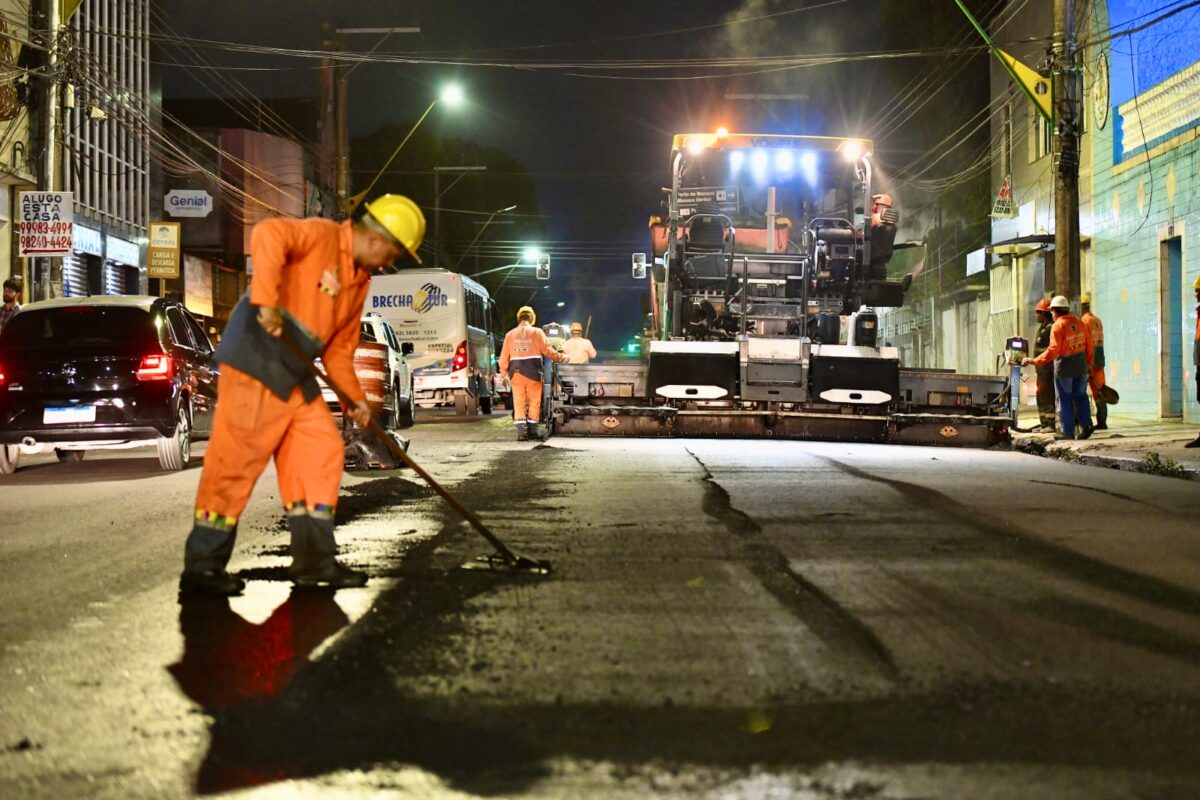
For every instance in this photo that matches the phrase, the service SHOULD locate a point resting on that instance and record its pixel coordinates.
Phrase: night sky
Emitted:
(596, 141)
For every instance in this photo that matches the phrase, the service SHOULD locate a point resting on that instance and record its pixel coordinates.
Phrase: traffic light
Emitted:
(639, 266)
(543, 267)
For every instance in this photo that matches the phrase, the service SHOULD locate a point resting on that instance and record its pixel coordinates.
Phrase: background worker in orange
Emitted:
(577, 348)
(1045, 375)
(1071, 352)
(521, 362)
(1096, 375)
(310, 279)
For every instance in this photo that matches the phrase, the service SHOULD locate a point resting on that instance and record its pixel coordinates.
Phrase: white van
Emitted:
(447, 317)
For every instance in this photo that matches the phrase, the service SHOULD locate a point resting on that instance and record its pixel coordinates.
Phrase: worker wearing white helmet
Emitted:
(578, 348)
(521, 359)
(1070, 351)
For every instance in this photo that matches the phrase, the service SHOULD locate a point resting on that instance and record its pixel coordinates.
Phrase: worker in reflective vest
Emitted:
(1070, 351)
(1096, 375)
(521, 362)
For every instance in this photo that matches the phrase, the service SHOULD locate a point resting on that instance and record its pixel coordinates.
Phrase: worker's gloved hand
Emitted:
(271, 320)
(361, 414)
(1025, 362)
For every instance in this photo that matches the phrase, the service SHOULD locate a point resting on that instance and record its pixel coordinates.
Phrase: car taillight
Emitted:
(460, 356)
(156, 367)
(2, 379)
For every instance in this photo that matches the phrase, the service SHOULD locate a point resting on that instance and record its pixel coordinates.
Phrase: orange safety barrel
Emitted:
(370, 367)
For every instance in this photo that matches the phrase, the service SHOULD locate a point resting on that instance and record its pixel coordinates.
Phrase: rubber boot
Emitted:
(534, 433)
(205, 556)
(1101, 415)
(314, 555)
(522, 432)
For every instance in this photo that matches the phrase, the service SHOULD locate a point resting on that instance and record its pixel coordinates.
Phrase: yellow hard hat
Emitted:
(401, 218)
(1196, 283)
(532, 313)
(1085, 300)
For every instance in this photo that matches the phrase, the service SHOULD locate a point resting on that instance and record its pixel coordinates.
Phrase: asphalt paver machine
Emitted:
(768, 268)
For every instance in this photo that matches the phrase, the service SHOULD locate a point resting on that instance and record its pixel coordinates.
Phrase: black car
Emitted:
(104, 372)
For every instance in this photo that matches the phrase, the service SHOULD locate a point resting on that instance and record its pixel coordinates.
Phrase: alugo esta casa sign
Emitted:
(45, 223)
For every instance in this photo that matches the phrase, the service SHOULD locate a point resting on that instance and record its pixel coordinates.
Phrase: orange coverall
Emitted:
(1096, 328)
(305, 268)
(521, 360)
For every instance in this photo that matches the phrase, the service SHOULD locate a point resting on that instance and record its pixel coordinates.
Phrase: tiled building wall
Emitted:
(1137, 207)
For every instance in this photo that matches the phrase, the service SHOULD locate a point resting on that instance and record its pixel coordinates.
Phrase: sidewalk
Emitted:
(1132, 445)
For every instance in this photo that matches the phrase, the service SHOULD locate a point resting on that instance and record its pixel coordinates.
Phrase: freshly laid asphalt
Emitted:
(725, 619)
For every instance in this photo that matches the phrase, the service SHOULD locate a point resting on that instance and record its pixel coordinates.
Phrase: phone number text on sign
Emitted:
(43, 244)
(45, 227)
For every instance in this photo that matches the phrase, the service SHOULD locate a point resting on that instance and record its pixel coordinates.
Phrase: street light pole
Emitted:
(437, 204)
(480, 233)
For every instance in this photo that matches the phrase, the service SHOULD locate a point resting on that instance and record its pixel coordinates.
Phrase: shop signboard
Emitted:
(163, 252)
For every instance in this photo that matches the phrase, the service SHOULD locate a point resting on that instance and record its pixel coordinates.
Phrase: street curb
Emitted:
(1122, 463)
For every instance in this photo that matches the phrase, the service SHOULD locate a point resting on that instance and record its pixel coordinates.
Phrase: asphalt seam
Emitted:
(828, 619)
(1076, 565)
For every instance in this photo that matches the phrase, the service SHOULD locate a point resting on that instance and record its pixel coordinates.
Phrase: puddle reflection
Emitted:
(230, 664)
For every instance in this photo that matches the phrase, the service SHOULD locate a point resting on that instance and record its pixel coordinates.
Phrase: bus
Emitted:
(447, 317)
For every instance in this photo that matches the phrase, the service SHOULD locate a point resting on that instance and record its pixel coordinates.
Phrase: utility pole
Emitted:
(329, 117)
(342, 160)
(47, 138)
(1066, 150)
(341, 92)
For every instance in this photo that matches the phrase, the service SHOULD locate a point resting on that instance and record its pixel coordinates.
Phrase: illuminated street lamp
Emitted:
(532, 256)
(452, 96)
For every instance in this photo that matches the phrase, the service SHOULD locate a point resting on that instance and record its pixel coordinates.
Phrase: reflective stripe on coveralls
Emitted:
(1070, 348)
(251, 425)
(523, 350)
(526, 392)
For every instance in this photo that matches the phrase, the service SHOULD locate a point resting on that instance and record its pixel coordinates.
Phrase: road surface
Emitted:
(725, 619)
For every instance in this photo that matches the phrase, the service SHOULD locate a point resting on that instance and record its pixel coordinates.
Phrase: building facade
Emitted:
(1143, 90)
(17, 166)
(108, 124)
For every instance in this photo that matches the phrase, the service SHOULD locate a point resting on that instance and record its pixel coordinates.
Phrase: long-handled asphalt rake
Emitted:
(503, 558)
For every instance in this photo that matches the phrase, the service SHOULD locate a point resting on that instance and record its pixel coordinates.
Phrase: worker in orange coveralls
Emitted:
(1096, 376)
(521, 363)
(310, 279)
(1071, 353)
